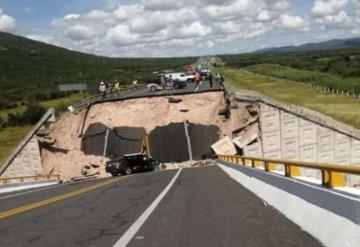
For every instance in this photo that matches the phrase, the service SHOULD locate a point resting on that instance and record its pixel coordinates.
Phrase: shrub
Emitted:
(33, 113)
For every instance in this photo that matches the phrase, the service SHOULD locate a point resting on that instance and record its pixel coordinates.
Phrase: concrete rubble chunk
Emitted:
(224, 146)
(249, 135)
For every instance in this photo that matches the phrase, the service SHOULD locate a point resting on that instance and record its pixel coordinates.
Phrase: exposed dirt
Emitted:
(66, 159)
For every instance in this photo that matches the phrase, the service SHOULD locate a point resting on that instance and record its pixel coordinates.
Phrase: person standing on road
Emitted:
(163, 81)
(171, 81)
(222, 80)
(197, 81)
(117, 87)
(217, 78)
(111, 88)
(102, 90)
(211, 80)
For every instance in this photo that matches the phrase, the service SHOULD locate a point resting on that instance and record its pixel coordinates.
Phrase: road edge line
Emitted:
(135, 227)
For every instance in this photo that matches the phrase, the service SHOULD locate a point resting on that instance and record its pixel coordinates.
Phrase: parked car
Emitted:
(131, 163)
(177, 85)
(181, 77)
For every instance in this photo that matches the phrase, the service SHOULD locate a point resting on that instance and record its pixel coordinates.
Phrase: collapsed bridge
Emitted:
(176, 142)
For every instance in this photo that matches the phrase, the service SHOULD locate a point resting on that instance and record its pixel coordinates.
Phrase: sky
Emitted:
(159, 28)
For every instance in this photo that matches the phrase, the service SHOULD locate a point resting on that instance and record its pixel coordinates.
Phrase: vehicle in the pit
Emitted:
(131, 163)
(156, 86)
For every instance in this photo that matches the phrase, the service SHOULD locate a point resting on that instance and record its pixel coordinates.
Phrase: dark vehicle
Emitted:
(205, 76)
(131, 163)
(180, 84)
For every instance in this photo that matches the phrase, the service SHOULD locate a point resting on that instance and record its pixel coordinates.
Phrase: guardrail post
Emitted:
(332, 179)
(244, 162)
(269, 167)
(255, 163)
(291, 171)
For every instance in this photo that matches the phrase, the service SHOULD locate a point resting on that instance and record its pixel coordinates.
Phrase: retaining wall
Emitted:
(294, 133)
(26, 159)
(27, 162)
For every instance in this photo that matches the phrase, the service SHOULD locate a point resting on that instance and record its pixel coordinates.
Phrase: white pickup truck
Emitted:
(181, 77)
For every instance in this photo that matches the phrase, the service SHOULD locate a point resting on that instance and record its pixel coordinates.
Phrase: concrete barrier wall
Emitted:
(25, 159)
(291, 137)
(27, 162)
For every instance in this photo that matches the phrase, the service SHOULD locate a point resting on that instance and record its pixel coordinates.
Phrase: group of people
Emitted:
(198, 79)
(112, 87)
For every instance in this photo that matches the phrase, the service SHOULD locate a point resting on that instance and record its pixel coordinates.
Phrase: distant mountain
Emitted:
(331, 44)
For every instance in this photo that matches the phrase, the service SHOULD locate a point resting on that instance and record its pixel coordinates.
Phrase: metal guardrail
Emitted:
(98, 97)
(332, 174)
(11, 180)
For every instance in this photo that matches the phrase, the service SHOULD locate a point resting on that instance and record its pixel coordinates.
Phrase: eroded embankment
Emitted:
(66, 158)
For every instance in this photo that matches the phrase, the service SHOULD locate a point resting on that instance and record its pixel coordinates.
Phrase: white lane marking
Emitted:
(329, 228)
(32, 191)
(130, 233)
(36, 190)
(328, 190)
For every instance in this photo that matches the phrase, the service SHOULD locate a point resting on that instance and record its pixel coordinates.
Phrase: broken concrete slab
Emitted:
(224, 146)
(249, 135)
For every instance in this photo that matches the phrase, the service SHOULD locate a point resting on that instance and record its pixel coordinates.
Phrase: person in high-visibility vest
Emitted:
(197, 81)
(117, 87)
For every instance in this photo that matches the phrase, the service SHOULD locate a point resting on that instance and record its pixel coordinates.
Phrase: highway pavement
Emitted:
(144, 92)
(188, 207)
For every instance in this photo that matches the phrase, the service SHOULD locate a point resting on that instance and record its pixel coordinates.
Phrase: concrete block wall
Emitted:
(292, 137)
(27, 162)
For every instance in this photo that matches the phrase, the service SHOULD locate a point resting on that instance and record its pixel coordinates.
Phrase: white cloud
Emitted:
(342, 19)
(230, 11)
(292, 22)
(80, 32)
(210, 44)
(264, 15)
(188, 27)
(71, 17)
(97, 15)
(7, 23)
(126, 12)
(121, 35)
(328, 7)
(162, 5)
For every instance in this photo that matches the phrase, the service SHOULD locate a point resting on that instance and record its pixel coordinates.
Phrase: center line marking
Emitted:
(48, 201)
(134, 228)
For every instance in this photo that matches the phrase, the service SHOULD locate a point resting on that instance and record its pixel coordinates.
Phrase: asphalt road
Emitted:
(203, 207)
(143, 92)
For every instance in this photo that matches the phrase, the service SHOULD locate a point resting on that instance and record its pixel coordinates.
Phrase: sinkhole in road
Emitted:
(125, 123)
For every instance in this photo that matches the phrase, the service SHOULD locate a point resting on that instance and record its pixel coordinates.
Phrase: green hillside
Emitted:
(32, 70)
(341, 62)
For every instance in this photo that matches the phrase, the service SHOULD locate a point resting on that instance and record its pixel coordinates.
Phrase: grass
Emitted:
(10, 138)
(327, 80)
(341, 108)
(55, 103)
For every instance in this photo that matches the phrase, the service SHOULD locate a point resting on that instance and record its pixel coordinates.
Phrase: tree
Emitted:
(33, 113)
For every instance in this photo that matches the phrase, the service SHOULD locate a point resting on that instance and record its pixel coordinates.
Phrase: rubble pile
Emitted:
(189, 164)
